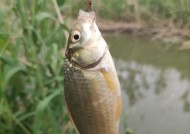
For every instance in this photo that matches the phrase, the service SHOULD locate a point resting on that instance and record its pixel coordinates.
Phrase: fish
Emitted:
(91, 85)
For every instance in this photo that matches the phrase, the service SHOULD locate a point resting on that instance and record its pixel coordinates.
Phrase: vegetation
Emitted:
(32, 39)
(175, 11)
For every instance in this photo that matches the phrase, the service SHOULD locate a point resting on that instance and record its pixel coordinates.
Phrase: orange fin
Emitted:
(111, 81)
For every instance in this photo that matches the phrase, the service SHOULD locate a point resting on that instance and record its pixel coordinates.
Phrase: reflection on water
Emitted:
(155, 85)
(158, 101)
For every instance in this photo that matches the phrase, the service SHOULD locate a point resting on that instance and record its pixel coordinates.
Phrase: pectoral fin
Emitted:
(112, 83)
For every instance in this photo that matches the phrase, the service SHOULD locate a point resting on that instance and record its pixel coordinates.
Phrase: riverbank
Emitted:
(168, 33)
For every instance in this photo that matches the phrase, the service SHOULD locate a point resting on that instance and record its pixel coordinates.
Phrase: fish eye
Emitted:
(75, 36)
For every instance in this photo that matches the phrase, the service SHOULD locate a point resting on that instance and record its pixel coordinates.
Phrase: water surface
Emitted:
(155, 81)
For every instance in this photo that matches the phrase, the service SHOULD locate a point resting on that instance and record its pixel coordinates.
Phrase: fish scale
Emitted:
(89, 101)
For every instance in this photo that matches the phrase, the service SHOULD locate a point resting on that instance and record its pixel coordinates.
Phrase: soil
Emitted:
(165, 32)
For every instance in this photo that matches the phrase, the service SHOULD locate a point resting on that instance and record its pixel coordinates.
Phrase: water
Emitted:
(155, 81)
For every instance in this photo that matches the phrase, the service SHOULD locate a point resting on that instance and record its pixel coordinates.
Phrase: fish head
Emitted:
(85, 43)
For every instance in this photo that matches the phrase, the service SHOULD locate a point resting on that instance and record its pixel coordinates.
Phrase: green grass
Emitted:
(175, 11)
(31, 68)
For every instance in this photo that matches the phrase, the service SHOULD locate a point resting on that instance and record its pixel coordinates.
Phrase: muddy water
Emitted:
(155, 80)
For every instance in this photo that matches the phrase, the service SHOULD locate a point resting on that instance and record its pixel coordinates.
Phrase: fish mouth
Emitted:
(69, 54)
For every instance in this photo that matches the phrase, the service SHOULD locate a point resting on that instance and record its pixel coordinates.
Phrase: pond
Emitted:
(155, 82)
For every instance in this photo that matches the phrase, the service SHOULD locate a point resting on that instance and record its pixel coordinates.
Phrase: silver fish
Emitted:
(91, 85)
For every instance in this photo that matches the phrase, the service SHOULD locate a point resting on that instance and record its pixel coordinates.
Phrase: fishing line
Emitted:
(89, 5)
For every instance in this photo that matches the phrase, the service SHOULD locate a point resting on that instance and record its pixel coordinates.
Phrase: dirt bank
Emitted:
(165, 32)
